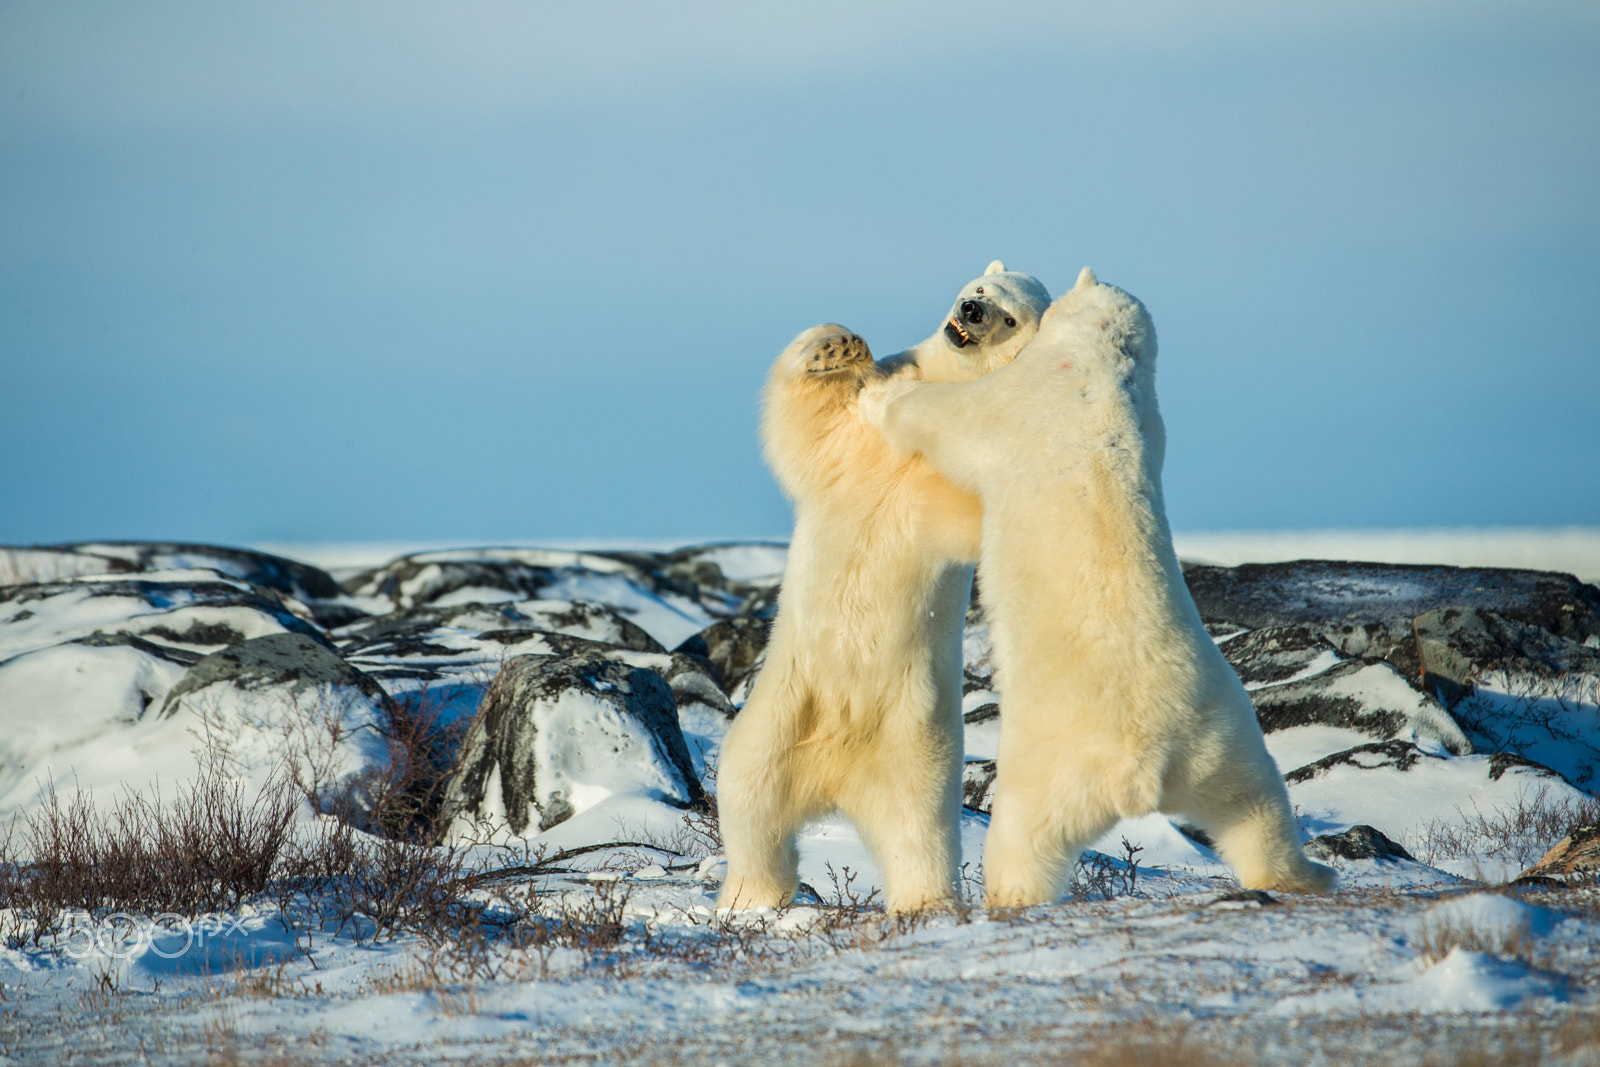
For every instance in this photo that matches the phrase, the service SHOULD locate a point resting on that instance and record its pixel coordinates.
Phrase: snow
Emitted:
(815, 982)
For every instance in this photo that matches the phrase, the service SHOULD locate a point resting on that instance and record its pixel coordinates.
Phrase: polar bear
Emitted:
(1116, 702)
(858, 706)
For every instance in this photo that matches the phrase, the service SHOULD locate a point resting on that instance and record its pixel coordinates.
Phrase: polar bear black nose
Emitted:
(972, 311)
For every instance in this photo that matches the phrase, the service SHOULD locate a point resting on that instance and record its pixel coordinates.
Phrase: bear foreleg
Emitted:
(1034, 841)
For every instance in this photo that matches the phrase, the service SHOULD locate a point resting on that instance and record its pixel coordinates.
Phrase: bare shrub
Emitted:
(403, 797)
(1512, 711)
(209, 850)
(1520, 834)
(1100, 877)
(371, 887)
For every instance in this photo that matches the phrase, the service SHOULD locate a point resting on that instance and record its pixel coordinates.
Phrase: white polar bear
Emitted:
(858, 706)
(1116, 702)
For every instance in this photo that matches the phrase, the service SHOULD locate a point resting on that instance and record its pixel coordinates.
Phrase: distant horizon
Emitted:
(1569, 549)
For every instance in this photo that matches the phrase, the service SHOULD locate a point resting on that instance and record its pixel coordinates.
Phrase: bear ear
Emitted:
(995, 267)
(1086, 278)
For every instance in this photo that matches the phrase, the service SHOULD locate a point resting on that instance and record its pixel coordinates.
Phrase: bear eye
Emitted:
(979, 289)
(1010, 321)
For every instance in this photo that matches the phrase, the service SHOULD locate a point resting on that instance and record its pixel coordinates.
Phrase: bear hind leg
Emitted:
(914, 832)
(1249, 818)
(761, 807)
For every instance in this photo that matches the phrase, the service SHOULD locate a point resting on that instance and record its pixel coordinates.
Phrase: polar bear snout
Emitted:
(973, 320)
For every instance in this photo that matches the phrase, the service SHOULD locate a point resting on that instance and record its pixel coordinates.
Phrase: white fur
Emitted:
(858, 706)
(1116, 702)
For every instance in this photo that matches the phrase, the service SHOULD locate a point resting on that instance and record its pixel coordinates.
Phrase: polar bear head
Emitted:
(993, 317)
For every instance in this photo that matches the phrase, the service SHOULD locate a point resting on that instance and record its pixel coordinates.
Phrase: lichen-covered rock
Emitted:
(1360, 842)
(1365, 609)
(1576, 857)
(1370, 698)
(292, 662)
(1457, 645)
(1516, 687)
(557, 735)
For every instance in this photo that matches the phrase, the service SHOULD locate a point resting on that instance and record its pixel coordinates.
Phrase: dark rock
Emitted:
(289, 660)
(199, 633)
(1502, 762)
(1360, 842)
(1365, 609)
(180, 656)
(977, 785)
(1221, 629)
(1363, 696)
(694, 681)
(550, 725)
(1456, 644)
(1245, 897)
(1402, 756)
(1575, 858)
(982, 713)
(736, 647)
(1275, 653)
(1397, 755)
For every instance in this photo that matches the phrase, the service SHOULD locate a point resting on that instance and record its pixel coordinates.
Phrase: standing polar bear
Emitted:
(858, 706)
(1116, 701)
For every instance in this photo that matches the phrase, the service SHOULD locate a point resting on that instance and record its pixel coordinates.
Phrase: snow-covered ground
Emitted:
(115, 673)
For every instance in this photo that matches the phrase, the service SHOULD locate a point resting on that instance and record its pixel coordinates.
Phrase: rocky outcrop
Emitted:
(291, 662)
(1277, 654)
(1368, 697)
(1365, 609)
(554, 734)
(307, 586)
(196, 611)
(735, 647)
(1575, 858)
(1456, 645)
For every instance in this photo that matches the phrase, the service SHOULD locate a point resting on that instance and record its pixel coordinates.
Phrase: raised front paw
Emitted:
(831, 352)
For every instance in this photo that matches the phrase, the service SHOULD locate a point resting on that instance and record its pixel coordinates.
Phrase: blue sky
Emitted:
(489, 271)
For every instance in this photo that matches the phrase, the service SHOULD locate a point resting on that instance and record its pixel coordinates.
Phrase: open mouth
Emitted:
(956, 334)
